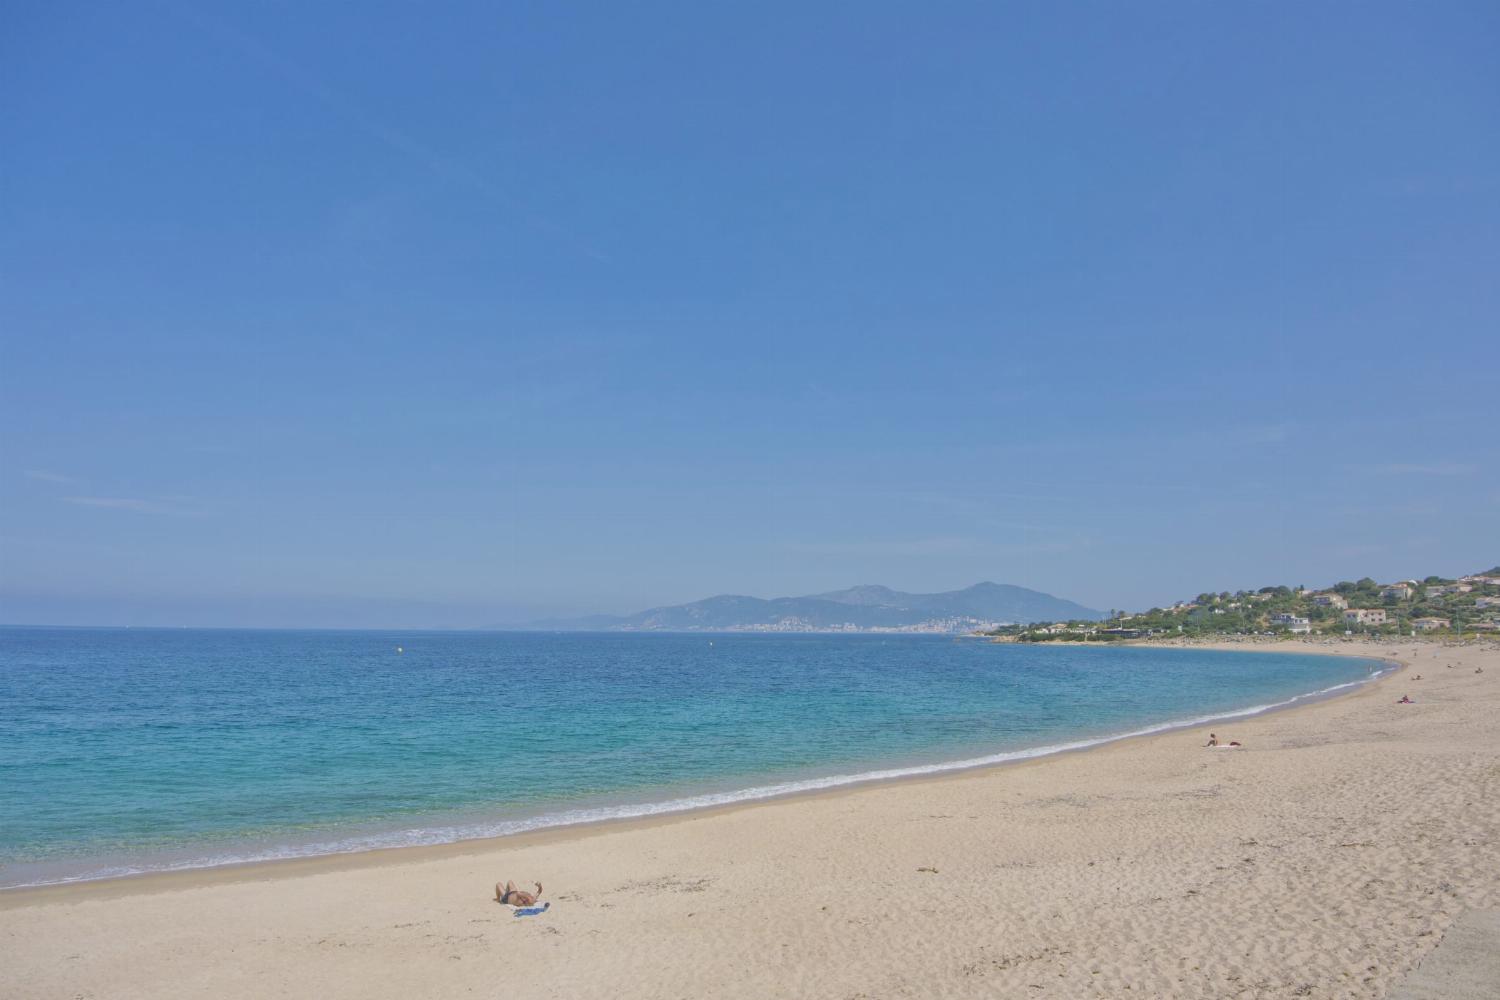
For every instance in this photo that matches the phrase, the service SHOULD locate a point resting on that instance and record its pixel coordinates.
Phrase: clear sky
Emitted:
(461, 314)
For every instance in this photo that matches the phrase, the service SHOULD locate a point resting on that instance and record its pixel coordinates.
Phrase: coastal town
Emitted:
(1465, 606)
(950, 625)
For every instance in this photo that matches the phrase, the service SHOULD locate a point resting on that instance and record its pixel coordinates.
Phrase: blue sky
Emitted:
(431, 315)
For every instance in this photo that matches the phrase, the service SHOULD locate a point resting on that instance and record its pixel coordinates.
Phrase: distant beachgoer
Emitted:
(1406, 700)
(512, 896)
(1417, 678)
(1213, 741)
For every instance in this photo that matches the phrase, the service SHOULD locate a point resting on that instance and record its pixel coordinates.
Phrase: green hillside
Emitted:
(1440, 606)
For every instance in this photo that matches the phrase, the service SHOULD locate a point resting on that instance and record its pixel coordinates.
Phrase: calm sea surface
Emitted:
(125, 750)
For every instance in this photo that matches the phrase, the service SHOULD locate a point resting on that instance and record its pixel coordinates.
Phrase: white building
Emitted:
(1364, 616)
(1295, 625)
(1053, 629)
(1396, 592)
(1330, 600)
(1430, 624)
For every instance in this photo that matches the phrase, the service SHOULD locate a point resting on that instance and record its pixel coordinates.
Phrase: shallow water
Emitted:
(126, 750)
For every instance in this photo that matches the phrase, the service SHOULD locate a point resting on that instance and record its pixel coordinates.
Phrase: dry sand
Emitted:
(1324, 859)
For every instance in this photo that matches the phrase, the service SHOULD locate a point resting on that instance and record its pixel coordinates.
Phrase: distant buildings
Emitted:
(956, 625)
(1430, 624)
(1364, 616)
(1295, 625)
(1330, 600)
(1448, 588)
(1487, 602)
(1397, 592)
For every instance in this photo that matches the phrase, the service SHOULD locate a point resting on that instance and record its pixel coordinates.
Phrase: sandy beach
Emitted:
(1324, 858)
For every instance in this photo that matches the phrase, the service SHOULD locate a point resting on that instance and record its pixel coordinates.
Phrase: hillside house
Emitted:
(1364, 616)
(1430, 624)
(1293, 624)
(1439, 590)
(1330, 600)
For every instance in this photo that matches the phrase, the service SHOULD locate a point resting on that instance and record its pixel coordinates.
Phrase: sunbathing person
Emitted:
(512, 896)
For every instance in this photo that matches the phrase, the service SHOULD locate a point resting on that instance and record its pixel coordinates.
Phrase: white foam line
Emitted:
(429, 836)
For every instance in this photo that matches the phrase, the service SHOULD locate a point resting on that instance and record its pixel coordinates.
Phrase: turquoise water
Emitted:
(137, 750)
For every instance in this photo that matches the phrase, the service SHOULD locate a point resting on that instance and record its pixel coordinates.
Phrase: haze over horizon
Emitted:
(317, 315)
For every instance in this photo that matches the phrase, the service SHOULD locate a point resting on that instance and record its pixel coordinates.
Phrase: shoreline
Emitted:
(1327, 858)
(665, 814)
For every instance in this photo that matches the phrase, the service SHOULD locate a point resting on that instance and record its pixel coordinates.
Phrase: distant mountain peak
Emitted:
(864, 594)
(866, 607)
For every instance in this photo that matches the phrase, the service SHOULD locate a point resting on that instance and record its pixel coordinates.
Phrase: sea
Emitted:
(125, 751)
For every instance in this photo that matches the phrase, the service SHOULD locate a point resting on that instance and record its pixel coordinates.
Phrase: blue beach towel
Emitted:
(531, 911)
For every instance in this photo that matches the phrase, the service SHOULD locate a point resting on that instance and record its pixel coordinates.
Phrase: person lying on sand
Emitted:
(512, 896)
(1213, 741)
(1406, 700)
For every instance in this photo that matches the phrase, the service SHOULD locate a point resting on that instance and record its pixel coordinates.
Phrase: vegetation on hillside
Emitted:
(1409, 605)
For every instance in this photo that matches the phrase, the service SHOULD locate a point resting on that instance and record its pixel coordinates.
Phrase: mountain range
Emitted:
(863, 607)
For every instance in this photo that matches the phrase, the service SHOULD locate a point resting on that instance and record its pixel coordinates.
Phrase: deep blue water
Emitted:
(128, 749)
